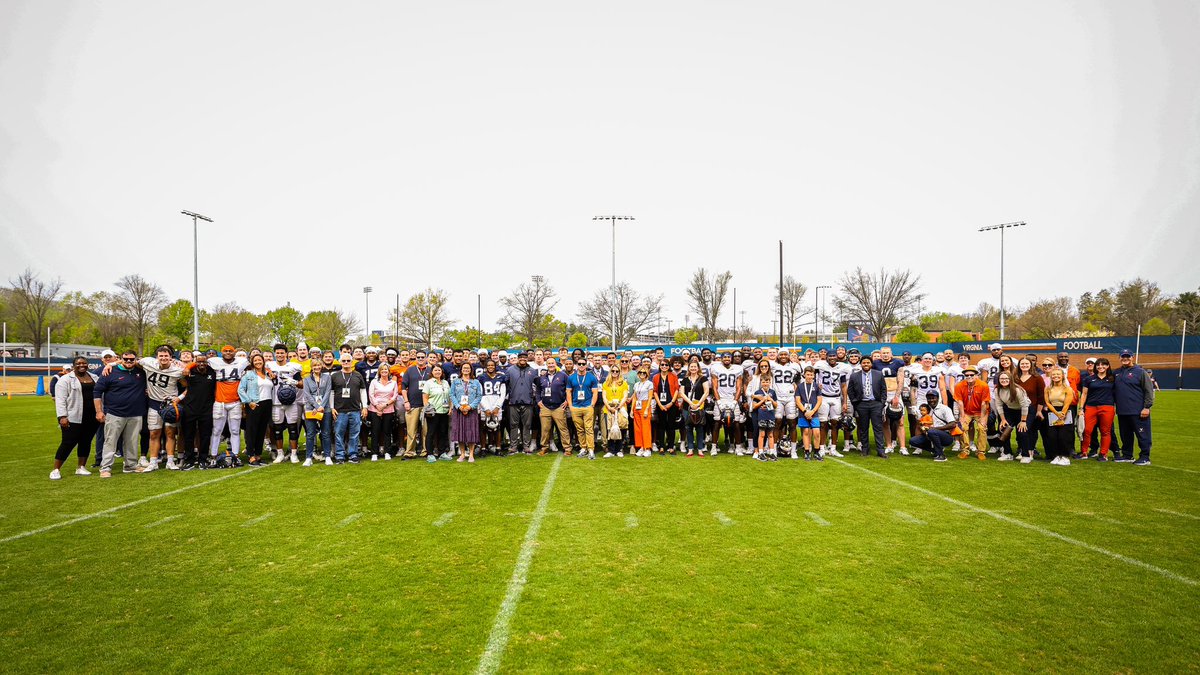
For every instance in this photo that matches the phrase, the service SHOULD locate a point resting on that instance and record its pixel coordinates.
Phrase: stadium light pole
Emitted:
(613, 288)
(196, 275)
(1002, 227)
(367, 321)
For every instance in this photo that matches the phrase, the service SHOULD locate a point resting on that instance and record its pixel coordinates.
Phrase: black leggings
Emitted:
(437, 434)
(77, 435)
(196, 431)
(255, 424)
(381, 431)
(665, 423)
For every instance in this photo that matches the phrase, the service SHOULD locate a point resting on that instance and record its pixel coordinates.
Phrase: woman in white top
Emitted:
(643, 402)
(381, 412)
(255, 391)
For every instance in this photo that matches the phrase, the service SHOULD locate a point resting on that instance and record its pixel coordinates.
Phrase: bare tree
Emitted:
(793, 305)
(706, 294)
(1047, 319)
(633, 314)
(139, 301)
(527, 311)
(329, 328)
(877, 302)
(33, 302)
(423, 319)
(229, 323)
(111, 323)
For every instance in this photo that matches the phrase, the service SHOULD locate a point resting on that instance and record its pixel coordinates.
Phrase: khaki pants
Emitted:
(414, 422)
(979, 437)
(559, 417)
(584, 419)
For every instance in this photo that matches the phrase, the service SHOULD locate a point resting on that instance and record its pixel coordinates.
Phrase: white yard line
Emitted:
(908, 518)
(1174, 468)
(1030, 526)
(254, 521)
(816, 518)
(122, 507)
(498, 639)
(722, 518)
(444, 519)
(164, 520)
(1173, 513)
(349, 519)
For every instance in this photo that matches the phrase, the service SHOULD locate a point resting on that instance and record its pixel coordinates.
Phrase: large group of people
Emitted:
(212, 410)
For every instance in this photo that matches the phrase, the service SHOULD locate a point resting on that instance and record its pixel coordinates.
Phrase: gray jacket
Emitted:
(68, 398)
(317, 394)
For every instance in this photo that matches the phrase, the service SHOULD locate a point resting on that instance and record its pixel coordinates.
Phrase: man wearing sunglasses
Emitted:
(120, 400)
(972, 401)
(414, 402)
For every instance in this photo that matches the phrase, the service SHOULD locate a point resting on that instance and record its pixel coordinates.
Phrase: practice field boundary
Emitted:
(122, 507)
(497, 642)
(1030, 526)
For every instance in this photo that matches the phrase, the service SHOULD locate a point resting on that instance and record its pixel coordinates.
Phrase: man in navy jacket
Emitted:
(120, 399)
(1134, 393)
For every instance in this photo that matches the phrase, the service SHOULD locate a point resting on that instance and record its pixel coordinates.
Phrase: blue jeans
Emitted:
(347, 423)
(311, 427)
(693, 435)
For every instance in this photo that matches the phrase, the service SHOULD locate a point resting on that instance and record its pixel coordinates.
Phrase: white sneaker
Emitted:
(294, 458)
(1066, 461)
(82, 472)
(620, 454)
(737, 450)
(714, 450)
(278, 458)
(957, 447)
(307, 461)
(387, 456)
(904, 451)
(142, 461)
(849, 446)
(835, 453)
(608, 455)
(1057, 460)
(328, 461)
(56, 475)
(1025, 459)
(374, 458)
(917, 451)
(974, 449)
(1005, 457)
(700, 452)
(150, 466)
(794, 455)
(654, 447)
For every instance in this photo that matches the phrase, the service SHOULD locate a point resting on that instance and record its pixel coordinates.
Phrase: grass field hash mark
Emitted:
(497, 642)
(122, 507)
(1167, 511)
(1096, 516)
(444, 519)
(254, 521)
(723, 519)
(816, 518)
(1030, 526)
(349, 519)
(163, 521)
(1175, 468)
(631, 520)
(908, 518)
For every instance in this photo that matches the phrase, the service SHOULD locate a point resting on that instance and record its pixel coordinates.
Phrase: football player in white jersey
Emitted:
(285, 416)
(785, 375)
(726, 380)
(227, 409)
(952, 374)
(831, 378)
(988, 367)
(923, 379)
(162, 388)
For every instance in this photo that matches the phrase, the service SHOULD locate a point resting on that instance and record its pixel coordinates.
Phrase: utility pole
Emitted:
(1002, 227)
(196, 275)
(613, 287)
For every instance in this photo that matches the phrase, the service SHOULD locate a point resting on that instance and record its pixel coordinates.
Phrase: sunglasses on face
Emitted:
(128, 358)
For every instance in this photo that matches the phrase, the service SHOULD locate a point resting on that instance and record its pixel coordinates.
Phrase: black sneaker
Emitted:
(817, 457)
(235, 461)
(1101, 458)
(1077, 455)
(807, 456)
(190, 466)
(939, 458)
(339, 461)
(1142, 461)
(1123, 460)
(354, 460)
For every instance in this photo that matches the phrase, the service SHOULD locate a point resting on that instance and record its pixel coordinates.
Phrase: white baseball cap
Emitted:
(107, 352)
(995, 345)
(371, 350)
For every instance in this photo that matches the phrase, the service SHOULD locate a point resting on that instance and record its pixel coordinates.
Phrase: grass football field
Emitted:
(548, 564)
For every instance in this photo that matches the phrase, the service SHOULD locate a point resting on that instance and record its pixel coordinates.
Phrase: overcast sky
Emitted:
(467, 146)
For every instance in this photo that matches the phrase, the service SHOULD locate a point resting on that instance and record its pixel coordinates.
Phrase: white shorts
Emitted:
(281, 414)
(831, 409)
(787, 406)
(154, 421)
(728, 405)
(491, 404)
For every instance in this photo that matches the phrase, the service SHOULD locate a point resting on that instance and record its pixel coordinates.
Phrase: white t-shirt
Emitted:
(161, 383)
(727, 378)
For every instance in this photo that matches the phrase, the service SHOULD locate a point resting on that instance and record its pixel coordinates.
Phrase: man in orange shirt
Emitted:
(971, 401)
(1071, 372)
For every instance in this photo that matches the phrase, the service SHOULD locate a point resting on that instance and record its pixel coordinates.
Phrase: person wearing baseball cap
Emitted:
(972, 403)
(1134, 394)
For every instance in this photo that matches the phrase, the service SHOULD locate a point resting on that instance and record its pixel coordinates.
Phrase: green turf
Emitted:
(641, 564)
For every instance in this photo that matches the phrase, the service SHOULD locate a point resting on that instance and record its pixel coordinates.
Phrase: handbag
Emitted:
(614, 428)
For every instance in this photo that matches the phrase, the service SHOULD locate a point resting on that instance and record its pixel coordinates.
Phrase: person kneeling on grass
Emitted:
(937, 426)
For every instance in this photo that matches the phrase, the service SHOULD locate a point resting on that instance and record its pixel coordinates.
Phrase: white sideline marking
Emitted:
(139, 502)
(349, 519)
(443, 519)
(164, 520)
(908, 518)
(255, 521)
(78, 515)
(722, 518)
(1030, 526)
(1174, 468)
(498, 639)
(631, 520)
(1173, 513)
(816, 518)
